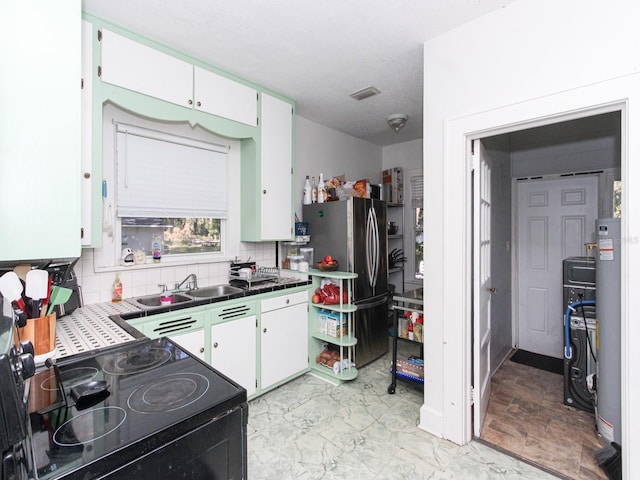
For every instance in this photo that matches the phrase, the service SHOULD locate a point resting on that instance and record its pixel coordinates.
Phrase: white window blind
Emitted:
(167, 176)
(417, 191)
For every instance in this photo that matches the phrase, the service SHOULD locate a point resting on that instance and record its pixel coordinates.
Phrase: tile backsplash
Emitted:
(136, 281)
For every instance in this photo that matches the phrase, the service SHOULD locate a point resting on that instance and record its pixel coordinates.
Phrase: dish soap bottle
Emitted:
(156, 248)
(117, 290)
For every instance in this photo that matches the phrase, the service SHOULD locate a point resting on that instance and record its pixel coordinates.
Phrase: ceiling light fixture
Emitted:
(397, 121)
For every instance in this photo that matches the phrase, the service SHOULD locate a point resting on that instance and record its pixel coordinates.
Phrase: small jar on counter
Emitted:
(294, 261)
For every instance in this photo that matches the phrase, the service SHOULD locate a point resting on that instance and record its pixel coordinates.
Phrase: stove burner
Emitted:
(83, 428)
(168, 393)
(137, 361)
(70, 377)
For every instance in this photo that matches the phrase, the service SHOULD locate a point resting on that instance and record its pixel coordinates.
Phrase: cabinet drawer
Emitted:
(284, 301)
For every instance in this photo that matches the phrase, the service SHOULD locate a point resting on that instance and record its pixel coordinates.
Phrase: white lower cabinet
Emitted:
(233, 351)
(283, 337)
(192, 342)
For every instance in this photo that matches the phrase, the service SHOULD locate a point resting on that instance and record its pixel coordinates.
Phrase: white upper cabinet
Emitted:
(143, 69)
(134, 66)
(276, 166)
(221, 96)
(40, 53)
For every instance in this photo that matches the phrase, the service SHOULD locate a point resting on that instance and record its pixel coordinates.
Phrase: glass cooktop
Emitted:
(156, 392)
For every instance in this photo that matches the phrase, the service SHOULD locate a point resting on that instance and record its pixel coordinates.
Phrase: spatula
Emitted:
(11, 289)
(37, 281)
(59, 296)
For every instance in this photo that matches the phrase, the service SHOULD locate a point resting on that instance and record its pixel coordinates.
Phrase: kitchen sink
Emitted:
(213, 291)
(154, 300)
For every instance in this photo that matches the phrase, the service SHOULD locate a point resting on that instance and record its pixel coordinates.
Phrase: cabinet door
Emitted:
(192, 341)
(40, 45)
(143, 69)
(86, 178)
(284, 343)
(233, 351)
(276, 169)
(224, 97)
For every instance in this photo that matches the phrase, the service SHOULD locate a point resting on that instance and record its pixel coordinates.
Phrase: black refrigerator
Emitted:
(354, 232)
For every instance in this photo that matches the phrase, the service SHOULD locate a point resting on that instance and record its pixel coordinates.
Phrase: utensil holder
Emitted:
(41, 332)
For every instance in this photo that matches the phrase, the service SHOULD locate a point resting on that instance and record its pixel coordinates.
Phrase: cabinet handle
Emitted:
(190, 102)
(287, 301)
(264, 330)
(215, 345)
(264, 192)
(198, 104)
(87, 175)
(201, 349)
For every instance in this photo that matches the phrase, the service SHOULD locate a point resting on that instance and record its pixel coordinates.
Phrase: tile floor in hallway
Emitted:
(527, 417)
(309, 429)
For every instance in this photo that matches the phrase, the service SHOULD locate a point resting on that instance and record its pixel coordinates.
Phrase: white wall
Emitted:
(319, 149)
(532, 61)
(407, 155)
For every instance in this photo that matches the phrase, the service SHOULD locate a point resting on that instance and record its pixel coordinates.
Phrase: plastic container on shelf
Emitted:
(307, 253)
(294, 261)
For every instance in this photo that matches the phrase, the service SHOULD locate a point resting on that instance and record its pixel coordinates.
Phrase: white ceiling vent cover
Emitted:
(365, 93)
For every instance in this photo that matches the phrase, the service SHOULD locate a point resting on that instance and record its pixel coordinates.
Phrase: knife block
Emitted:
(41, 332)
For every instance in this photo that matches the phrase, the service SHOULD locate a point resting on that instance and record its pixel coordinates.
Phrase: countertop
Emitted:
(102, 325)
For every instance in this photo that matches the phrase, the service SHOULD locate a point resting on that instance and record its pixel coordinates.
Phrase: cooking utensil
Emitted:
(59, 296)
(22, 270)
(11, 289)
(37, 281)
(45, 302)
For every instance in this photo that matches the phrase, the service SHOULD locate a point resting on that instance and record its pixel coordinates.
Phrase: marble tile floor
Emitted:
(309, 429)
(527, 417)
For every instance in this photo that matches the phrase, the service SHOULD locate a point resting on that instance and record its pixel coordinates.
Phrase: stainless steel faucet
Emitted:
(191, 281)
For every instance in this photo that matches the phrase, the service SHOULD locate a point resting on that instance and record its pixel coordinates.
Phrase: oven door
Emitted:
(215, 450)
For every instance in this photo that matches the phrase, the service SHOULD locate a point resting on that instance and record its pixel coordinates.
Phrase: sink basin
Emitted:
(213, 291)
(154, 300)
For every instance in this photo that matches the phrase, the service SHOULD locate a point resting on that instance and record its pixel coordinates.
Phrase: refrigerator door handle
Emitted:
(374, 303)
(372, 247)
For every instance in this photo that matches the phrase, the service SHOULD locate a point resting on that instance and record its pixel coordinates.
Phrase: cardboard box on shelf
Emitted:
(332, 323)
(394, 177)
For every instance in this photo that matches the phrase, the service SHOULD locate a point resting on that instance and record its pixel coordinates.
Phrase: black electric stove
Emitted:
(164, 413)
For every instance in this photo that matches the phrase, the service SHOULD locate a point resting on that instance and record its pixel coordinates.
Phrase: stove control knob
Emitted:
(25, 366)
(27, 347)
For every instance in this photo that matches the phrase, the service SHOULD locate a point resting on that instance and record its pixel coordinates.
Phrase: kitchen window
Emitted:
(172, 188)
(171, 182)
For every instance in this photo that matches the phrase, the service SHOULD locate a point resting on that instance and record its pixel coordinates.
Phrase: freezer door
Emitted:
(371, 330)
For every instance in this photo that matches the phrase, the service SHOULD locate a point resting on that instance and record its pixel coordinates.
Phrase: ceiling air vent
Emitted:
(365, 93)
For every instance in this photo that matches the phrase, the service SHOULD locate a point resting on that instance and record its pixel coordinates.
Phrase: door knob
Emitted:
(493, 290)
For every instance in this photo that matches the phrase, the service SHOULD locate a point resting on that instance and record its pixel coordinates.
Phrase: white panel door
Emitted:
(482, 285)
(193, 342)
(143, 69)
(224, 97)
(86, 98)
(555, 218)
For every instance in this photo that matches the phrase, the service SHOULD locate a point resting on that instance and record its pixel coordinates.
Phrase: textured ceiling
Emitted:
(316, 52)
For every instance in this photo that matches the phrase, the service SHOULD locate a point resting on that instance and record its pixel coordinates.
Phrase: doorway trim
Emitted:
(456, 346)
